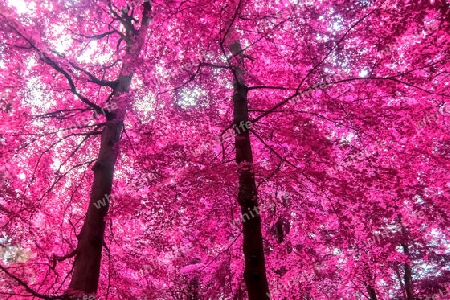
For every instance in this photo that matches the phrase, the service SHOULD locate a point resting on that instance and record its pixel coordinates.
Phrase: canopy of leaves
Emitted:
(349, 104)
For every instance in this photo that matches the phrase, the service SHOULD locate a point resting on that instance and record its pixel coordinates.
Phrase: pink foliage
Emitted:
(349, 108)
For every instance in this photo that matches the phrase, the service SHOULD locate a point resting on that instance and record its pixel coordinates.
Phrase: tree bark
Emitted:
(408, 276)
(86, 269)
(372, 292)
(402, 286)
(408, 270)
(193, 289)
(255, 269)
(369, 283)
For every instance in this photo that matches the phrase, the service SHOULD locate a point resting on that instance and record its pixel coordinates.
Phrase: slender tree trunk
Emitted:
(86, 269)
(371, 291)
(408, 270)
(402, 286)
(193, 287)
(255, 269)
(408, 276)
(370, 284)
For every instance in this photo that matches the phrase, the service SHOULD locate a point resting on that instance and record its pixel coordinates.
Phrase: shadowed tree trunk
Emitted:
(372, 292)
(408, 276)
(86, 269)
(255, 270)
(408, 270)
(369, 284)
(399, 276)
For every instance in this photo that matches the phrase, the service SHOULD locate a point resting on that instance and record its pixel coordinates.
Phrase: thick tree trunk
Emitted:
(255, 269)
(86, 269)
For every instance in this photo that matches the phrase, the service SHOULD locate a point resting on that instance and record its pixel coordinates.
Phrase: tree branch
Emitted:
(96, 37)
(111, 84)
(27, 287)
(45, 58)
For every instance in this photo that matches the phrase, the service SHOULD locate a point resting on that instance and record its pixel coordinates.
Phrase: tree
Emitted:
(346, 159)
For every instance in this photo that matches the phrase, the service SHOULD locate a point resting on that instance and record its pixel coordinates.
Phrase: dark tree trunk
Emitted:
(255, 270)
(402, 286)
(86, 269)
(193, 293)
(408, 270)
(372, 292)
(369, 284)
(408, 276)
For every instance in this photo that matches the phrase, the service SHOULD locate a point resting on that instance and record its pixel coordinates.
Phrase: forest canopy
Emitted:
(235, 149)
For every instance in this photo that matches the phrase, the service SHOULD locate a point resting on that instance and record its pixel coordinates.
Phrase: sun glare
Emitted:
(22, 7)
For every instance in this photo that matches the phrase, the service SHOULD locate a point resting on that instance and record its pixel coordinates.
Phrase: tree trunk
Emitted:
(86, 269)
(371, 291)
(255, 270)
(402, 286)
(193, 289)
(369, 284)
(408, 270)
(408, 276)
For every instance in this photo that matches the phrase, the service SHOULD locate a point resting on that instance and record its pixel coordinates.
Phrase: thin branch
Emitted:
(98, 36)
(63, 175)
(73, 88)
(273, 150)
(57, 258)
(111, 84)
(335, 46)
(45, 58)
(215, 66)
(27, 287)
(268, 87)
